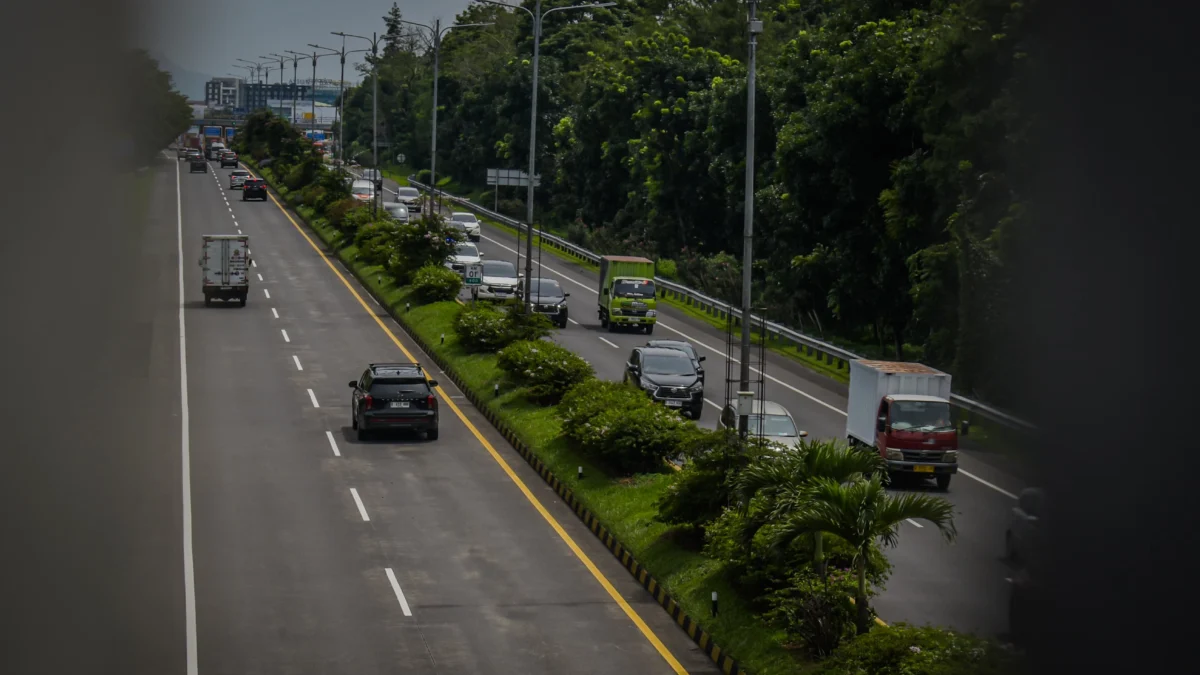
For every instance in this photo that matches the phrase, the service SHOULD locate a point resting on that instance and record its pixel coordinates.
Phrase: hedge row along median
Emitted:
(649, 520)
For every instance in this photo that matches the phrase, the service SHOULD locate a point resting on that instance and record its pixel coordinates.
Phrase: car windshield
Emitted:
(240, 172)
(361, 189)
(467, 251)
(921, 416)
(662, 364)
(407, 192)
(464, 217)
(681, 346)
(771, 425)
(546, 287)
(631, 288)
(499, 268)
(396, 209)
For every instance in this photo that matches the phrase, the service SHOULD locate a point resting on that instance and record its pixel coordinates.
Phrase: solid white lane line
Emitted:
(997, 488)
(185, 450)
(399, 593)
(333, 444)
(362, 510)
(313, 398)
(275, 312)
(914, 523)
(610, 344)
(297, 360)
(267, 293)
(285, 335)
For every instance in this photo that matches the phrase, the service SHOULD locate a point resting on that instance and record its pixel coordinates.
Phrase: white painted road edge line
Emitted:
(715, 405)
(267, 293)
(275, 312)
(313, 398)
(721, 352)
(914, 523)
(297, 360)
(362, 510)
(610, 344)
(285, 335)
(399, 593)
(333, 444)
(189, 566)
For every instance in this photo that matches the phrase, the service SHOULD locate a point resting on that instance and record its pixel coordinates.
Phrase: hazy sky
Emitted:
(208, 36)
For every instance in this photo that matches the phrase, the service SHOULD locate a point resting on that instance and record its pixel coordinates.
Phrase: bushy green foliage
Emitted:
(635, 439)
(816, 612)
(435, 283)
(375, 241)
(482, 327)
(524, 325)
(585, 401)
(908, 650)
(337, 212)
(548, 369)
(701, 490)
(424, 242)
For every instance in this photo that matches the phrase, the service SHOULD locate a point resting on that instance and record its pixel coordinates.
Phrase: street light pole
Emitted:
(374, 40)
(258, 67)
(283, 59)
(755, 27)
(341, 111)
(437, 31)
(295, 89)
(313, 91)
(536, 17)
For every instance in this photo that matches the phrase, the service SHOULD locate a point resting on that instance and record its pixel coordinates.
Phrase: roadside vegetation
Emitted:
(793, 542)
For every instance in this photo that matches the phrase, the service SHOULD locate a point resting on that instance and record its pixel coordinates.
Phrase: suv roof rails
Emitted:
(397, 364)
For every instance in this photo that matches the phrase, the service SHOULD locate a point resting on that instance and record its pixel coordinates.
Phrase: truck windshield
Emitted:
(771, 425)
(921, 416)
(634, 288)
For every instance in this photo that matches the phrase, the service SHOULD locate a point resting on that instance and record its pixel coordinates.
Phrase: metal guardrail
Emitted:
(777, 334)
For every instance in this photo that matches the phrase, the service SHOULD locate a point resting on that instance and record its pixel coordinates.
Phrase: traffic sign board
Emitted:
(474, 275)
(400, 158)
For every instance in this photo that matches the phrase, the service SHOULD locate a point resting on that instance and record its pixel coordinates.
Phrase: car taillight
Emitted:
(431, 401)
(367, 401)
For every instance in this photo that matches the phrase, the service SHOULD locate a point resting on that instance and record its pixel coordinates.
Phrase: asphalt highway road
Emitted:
(317, 553)
(961, 585)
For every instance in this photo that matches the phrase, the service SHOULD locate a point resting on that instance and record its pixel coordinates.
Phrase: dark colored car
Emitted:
(547, 298)
(685, 347)
(181, 153)
(669, 376)
(393, 397)
(229, 158)
(254, 188)
(198, 163)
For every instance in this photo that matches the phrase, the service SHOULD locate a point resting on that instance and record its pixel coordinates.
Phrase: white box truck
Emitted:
(225, 267)
(902, 410)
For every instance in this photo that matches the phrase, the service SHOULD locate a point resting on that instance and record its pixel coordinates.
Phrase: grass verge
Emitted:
(626, 506)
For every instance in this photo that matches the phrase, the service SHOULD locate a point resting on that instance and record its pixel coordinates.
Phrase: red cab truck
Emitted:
(903, 411)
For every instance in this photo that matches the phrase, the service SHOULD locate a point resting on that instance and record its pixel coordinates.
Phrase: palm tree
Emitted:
(862, 512)
(786, 480)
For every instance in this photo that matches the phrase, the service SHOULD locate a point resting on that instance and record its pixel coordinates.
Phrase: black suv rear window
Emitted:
(391, 388)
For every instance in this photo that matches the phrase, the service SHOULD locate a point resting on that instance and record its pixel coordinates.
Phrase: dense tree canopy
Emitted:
(158, 114)
(889, 134)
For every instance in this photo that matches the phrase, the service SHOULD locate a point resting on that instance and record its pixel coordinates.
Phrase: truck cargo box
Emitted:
(871, 381)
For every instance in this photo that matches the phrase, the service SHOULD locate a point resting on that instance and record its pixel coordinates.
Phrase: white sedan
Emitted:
(469, 223)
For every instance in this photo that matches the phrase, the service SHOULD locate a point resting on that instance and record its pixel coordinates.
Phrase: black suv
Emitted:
(254, 187)
(669, 376)
(685, 347)
(394, 396)
(198, 163)
(549, 300)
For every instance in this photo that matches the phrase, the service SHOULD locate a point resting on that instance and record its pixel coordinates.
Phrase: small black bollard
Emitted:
(579, 473)
(714, 603)
(495, 390)
(966, 427)
(407, 306)
(443, 338)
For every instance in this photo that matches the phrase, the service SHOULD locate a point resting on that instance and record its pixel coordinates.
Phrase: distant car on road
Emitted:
(372, 175)
(254, 188)
(469, 222)
(182, 153)
(197, 163)
(501, 282)
(411, 197)
(229, 158)
(394, 396)
(768, 420)
(547, 298)
(466, 254)
(669, 376)
(362, 190)
(685, 347)
(397, 210)
(238, 178)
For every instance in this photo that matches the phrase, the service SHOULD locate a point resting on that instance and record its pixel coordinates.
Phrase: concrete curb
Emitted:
(694, 630)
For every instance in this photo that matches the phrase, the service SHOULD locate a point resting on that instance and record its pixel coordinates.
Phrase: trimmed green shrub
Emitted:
(481, 328)
(336, 212)
(636, 439)
(375, 241)
(814, 612)
(901, 649)
(702, 489)
(425, 242)
(585, 401)
(434, 283)
(548, 369)
(356, 219)
(524, 325)
(664, 267)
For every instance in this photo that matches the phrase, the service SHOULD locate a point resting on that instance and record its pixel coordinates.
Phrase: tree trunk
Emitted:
(819, 553)
(863, 619)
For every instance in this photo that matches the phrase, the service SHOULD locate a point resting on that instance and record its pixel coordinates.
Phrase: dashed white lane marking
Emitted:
(333, 444)
(275, 312)
(313, 397)
(610, 344)
(914, 523)
(399, 593)
(285, 335)
(267, 293)
(362, 510)
(260, 277)
(297, 360)
(573, 321)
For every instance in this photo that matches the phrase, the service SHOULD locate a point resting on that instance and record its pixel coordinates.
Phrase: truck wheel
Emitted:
(943, 482)
(697, 412)
(612, 327)
(650, 329)
(242, 301)
(208, 301)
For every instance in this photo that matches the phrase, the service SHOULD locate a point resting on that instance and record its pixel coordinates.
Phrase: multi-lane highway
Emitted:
(316, 553)
(961, 585)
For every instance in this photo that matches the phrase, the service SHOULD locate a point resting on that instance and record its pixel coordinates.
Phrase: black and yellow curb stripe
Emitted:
(694, 630)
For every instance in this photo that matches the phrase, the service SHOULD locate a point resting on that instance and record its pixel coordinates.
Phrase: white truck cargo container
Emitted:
(903, 411)
(225, 267)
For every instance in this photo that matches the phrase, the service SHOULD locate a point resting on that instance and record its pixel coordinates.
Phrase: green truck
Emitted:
(627, 293)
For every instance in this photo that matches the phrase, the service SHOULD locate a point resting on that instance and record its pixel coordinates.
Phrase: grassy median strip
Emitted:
(627, 506)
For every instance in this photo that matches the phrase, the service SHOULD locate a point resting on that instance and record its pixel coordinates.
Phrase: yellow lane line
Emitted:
(558, 528)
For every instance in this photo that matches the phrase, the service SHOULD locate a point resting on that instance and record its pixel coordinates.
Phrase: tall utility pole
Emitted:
(755, 27)
(341, 111)
(536, 17)
(282, 60)
(437, 31)
(295, 88)
(312, 94)
(374, 40)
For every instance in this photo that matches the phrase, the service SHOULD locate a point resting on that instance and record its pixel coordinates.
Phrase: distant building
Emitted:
(224, 92)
